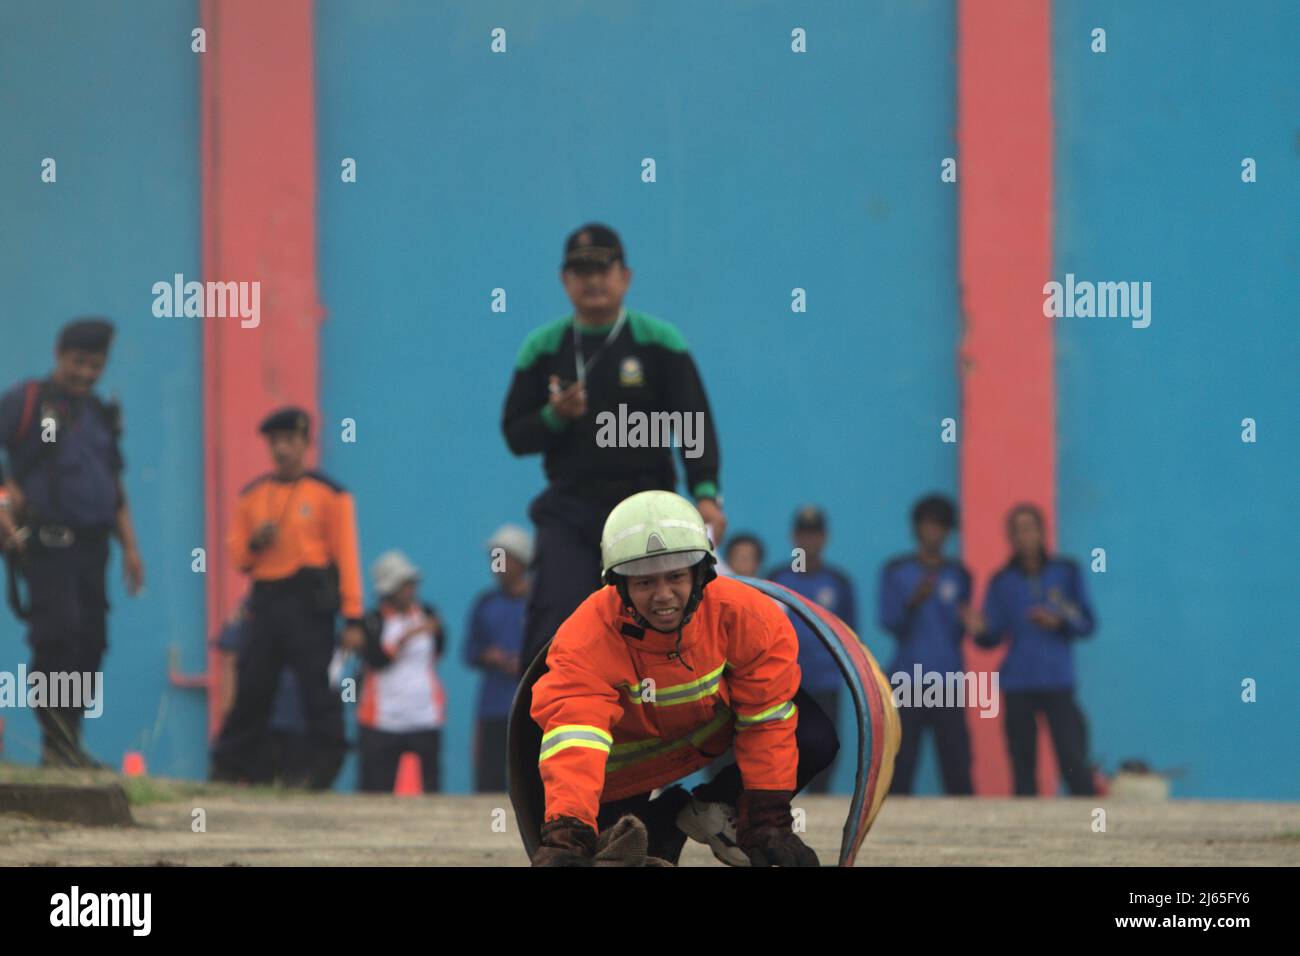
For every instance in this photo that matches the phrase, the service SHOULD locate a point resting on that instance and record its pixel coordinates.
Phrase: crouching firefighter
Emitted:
(656, 675)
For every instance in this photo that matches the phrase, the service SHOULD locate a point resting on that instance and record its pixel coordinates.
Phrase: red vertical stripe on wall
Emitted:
(1007, 437)
(259, 225)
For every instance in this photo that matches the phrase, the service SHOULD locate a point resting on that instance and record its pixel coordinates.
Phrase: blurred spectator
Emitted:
(289, 751)
(924, 602)
(809, 576)
(402, 705)
(1039, 602)
(294, 534)
(496, 637)
(744, 555)
(60, 504)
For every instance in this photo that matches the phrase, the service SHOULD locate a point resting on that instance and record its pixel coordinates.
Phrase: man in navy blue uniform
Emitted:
(496, 638)
(830, 587)
(61, 502)
(1038, 601)
(924, 604)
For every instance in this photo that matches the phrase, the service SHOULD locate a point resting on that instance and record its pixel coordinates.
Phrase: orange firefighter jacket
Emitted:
(316, 520)
(621, 713)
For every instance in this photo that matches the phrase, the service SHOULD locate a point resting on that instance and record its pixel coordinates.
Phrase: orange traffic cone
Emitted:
(409, 781)
(133, 764)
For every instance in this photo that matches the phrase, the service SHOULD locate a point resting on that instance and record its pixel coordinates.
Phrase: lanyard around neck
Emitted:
(584, 365)
(284, 509)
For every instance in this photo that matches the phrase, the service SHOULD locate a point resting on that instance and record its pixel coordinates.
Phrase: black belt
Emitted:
(56, 536)
(52, 537)
(289, 585)
(318, 586)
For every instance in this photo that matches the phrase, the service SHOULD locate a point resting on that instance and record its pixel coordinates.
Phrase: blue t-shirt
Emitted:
(830, 588)
(496, 620)
(929, 634)
(1039, 659)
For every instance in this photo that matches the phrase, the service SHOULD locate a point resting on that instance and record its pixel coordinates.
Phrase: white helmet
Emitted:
(390, 571)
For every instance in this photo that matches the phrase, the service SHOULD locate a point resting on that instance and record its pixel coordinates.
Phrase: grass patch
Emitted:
(141, 791)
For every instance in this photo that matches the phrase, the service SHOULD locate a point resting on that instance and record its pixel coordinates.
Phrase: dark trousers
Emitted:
(828, 701)
(818, 744)
(1069, 737)
(290, 755)
(382, 750)
(490, 755)
(67, 627)
(566, 563)
(951, 739)
(285, 631)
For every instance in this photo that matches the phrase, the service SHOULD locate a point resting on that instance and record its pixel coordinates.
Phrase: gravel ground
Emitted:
(285, 828)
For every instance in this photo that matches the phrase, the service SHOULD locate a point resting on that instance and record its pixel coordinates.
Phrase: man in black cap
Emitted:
(295, 535)
(574, 379)
(62, 499)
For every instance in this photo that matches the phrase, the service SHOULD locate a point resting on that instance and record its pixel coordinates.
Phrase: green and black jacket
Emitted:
(648, 369)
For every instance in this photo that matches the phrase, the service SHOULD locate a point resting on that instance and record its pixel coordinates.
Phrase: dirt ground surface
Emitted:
(289, 828)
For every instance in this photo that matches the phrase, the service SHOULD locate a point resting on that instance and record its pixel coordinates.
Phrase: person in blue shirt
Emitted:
(831, 588)
(1038, 603)
(496, 637)
(924, 604)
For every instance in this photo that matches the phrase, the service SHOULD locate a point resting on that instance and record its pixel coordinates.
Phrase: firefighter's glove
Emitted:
(765, 830)
(566, 841)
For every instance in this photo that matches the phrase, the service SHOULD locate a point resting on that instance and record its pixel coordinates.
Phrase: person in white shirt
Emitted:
(402, 705)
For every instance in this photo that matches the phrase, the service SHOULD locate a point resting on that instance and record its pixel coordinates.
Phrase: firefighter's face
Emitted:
(595, 287)
(661, 598)
(78, 370)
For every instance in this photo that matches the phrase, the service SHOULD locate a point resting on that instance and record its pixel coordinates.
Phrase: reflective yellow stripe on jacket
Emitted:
(697, 689)
(635, 752)
(574, 735)
(783, 711)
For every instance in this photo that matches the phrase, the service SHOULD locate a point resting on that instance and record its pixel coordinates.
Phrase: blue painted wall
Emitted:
(1199, 528)
(112, 96)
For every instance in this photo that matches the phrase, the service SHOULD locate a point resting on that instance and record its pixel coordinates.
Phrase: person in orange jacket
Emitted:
(294, 533)
(656, 675)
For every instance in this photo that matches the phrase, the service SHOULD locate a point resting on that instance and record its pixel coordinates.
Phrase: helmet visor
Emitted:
(659, 563)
